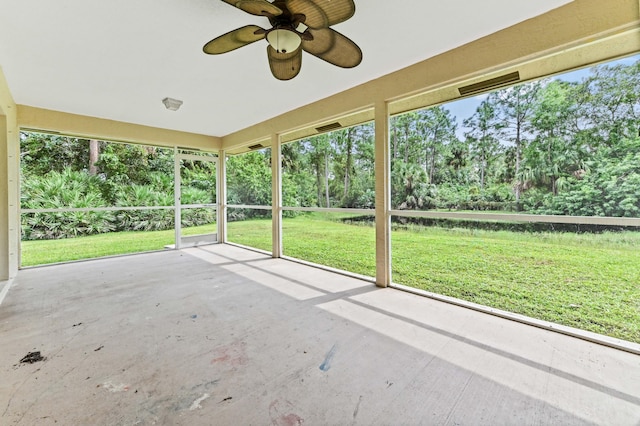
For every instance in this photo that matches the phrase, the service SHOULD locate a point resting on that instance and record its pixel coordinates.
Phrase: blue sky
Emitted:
(466, 107)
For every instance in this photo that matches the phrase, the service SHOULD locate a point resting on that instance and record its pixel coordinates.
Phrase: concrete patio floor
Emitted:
(219, 335)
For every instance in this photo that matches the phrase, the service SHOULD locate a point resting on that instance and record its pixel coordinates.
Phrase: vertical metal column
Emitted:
(383, 195)
(5, 225)
(9, 192)
(221, 184)
(276, 197)
(176, 197)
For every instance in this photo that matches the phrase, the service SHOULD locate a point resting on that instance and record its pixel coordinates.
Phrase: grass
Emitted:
(583, 281)
(43, 252)
(588, 281)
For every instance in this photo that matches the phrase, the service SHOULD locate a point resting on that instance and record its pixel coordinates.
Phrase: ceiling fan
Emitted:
(296, 25)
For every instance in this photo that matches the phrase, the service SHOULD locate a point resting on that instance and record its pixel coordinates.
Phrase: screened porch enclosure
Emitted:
(447, 234)
(472, 215)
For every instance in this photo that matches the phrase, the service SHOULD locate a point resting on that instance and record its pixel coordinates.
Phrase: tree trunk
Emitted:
(483, 166)
(348, 164)
(432, 165)
(326, 177)
(318, 181)
(394, 139)
(517, 172)
(94, 154)
(406, 143)
(433, 152)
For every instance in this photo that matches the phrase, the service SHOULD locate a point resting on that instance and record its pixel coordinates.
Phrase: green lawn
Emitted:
(580, 280)
(584, 281)
(42, 252)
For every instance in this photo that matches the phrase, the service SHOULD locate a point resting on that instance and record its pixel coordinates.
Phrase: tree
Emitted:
(553, 154)
(436, 128)
(483, 136)
(41, 153)
(610, 186)
(94, 156)
(410, 189)
(352, 165)
(514, 108)
(456, 162)
(249, 178)
(405, 137)
(318, 150)
(612, 103)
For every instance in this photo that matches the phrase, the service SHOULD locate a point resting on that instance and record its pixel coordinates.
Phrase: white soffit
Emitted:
(118, 59)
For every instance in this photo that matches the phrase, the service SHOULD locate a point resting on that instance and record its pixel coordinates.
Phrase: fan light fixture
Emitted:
(296, 26)
(172, 104)
(284, 40)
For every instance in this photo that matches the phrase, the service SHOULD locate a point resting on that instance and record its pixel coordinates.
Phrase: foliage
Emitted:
(41, 154)
(71, 189)
(249, 179)
(610, 186)
(143, 220)
(128, 176)
(334, 170)
(410, 188)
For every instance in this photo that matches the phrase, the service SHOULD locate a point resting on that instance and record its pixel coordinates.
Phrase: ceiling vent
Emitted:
(256, 146)
(492, 83)
(328, 127)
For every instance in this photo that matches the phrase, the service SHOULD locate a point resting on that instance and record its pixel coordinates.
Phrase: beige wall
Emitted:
(9, 182)
(102, 129)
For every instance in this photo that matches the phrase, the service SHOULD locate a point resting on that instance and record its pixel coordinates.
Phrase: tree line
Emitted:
(544, 147)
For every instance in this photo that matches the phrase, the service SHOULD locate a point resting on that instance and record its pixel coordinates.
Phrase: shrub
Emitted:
(66, 189)
(143, 220)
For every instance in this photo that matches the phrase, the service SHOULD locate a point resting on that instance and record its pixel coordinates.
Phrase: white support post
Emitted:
(221, 183)
(176, 197)
(383, 195)
(13, 154)
(276, 197)
(9, 193)
(4, 201)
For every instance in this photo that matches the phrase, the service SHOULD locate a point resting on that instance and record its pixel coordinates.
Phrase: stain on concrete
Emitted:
(206, 385)
(326, 364)
(113, 388)
(355, 412)
(281, 414)
(234, 354)
(197, 404)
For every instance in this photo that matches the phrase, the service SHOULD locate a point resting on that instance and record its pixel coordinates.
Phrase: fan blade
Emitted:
(256, 7)
(234, 39)
(333, 47)
(322, 14)
(284, 66)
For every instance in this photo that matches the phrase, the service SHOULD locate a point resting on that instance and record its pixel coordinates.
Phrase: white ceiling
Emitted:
(118, 59)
